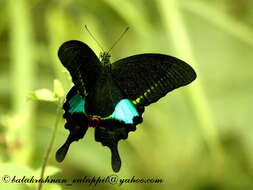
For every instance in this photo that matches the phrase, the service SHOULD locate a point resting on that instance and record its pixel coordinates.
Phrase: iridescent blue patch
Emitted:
(124, 110)
(77, 104)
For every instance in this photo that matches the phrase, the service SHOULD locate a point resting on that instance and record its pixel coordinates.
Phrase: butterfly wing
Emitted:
(76, 121)
(124, 119)
(82, 63)
(145, 78)
(124, 110)
(109, 133)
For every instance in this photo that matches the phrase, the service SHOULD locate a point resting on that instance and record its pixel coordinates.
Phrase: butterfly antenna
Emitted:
(123, 33)
(86, 27)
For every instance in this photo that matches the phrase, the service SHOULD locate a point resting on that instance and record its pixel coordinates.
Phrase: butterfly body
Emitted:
(99, 99)
(111, 96)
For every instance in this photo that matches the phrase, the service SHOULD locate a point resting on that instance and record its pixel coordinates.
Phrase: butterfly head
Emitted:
(105, 57)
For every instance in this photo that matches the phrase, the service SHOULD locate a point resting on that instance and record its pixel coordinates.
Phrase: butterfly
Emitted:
(111, 97)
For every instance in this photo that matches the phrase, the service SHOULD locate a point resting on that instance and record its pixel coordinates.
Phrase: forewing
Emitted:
(82, 63)
(145, 78)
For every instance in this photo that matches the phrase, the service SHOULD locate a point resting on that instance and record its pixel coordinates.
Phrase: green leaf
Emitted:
(43, 95)
(50, 170)
(58, 89)
(51, 187)
(14, 169)
(8, 171)
(12, 186)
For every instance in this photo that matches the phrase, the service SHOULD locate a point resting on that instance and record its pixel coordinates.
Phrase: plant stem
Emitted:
(174, 23)
(22, 79)
(51, 143)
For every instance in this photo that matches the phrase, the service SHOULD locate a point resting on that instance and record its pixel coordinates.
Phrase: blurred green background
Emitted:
(196, 138)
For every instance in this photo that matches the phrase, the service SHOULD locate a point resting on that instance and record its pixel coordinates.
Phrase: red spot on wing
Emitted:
(93, 122)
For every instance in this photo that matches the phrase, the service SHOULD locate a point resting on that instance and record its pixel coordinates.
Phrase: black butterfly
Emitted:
(111, 97)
